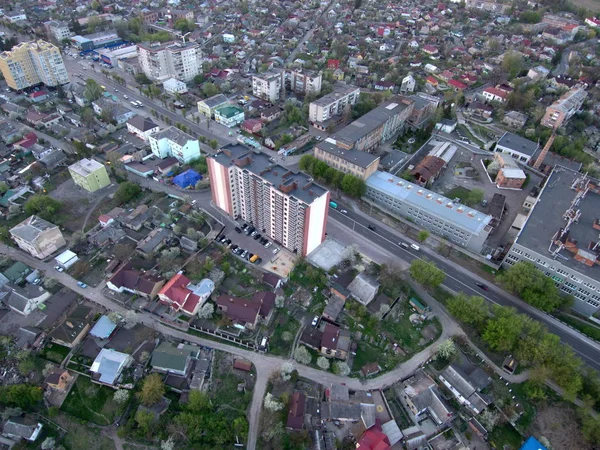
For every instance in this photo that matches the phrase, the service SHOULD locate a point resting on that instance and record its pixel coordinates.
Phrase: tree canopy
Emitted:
(127, 191)
(426, 273)
(42, 205)
(152, 390)
(92, 90)
(348, 183)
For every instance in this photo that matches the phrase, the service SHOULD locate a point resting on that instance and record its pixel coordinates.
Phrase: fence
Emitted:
(248, 344)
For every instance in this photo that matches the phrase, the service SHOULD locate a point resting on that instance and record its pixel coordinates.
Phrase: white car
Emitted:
(125, 97)
(276, 251)
(268, 244)
(343, 211)
(59, 268)
(315, 321)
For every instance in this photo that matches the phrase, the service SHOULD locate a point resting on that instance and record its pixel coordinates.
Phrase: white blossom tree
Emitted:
(169, 444)
(279, 301)
(287, 336)
(323, 363)
(48, 444)
(130, 320)
(121, 396)
(48, 369)
(341, 368)
(206, 311)
(286, 370)
(302, 355)
(447, 349)
(489, 418)
(272, 404)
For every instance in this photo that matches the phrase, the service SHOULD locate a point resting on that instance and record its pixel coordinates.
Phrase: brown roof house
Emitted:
(245, 313)
(295, 419)
(38, 237)
(427, 170)
(128, 279)
(73, 328)
(58, 380)
(335, 342)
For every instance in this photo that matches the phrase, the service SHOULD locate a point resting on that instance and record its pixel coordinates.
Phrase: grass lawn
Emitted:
(505, 436)
(586, 328)
(458, 192)
(278, 346)
(55, 352)
(91, 402)
(225, 396)
(365, 354)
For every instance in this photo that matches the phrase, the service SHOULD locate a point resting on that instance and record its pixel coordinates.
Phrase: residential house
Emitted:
(364, 288)
(229, 115)
(514, 119)
(424, 398)
(374, 439)
(480, 109)
(408, 85)
(493, 94)
(446, 125)
(16, 272)
(128, 279)
(270, 114)
(246, 312)
(106, 236)
(335, 342)
(174, 86)
(174, 142)
(295, 418)
(108, 366)
(427, 171)
(103, 328)
(208, 106)
(142, 127)
(10, 131)
(252, 126)
(466, 382)
(38, 237)
(184, 296)
(172, 359)
(73, 328)
(510, 175)
(370, 369)
(22, 428)
(58, 380)
(89, 174)
(155, 241)
(519, 148)
(335, 304)
(187, 179)
(23, 300)
(136, 218)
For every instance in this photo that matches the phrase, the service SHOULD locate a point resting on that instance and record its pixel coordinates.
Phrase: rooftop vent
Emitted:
(429, 196)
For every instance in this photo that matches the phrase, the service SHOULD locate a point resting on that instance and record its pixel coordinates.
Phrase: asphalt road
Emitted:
(460, 280)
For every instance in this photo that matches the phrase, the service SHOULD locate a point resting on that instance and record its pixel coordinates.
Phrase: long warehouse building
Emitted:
(286, 206)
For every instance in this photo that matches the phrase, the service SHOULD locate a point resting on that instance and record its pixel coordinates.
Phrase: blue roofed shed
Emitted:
(533, 444)
(188, 178)
(103, 328)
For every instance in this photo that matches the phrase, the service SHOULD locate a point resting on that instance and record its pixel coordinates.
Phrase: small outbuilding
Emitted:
(186, 179)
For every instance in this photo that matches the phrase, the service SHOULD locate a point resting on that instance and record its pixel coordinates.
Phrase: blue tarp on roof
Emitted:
(533, 444)
(188, 178)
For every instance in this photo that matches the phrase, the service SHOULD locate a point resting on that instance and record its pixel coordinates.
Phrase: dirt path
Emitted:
(107, 191)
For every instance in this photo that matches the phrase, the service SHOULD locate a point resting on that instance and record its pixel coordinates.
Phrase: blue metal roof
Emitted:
(424, 199)
(533, 444)
(103, 328)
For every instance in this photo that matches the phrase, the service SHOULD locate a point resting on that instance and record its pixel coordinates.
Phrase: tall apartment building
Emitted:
(284, 205)
(559, 112)
(174, 142)
(267, 86)
(328, 110)
(561, 237)
(301, 81)
(160, 62)
(31, 63)
(57, 30)
(377, 126)
(458, 223)
(89, 174)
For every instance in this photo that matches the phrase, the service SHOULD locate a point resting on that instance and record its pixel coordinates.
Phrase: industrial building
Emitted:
(90, 42)
(30, 63)
(460, 224)
(284, 205)
(561, 236)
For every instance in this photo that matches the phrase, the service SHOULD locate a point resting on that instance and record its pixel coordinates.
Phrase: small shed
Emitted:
(66, 259)
(242, 364)
(186, 179)
(418, 306)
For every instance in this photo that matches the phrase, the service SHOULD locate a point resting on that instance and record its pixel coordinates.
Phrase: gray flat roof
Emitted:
(435, 204)
(356, 157)
(366, 124)
(339, 90)
(546, 218)
(274, 174)
(518, 144)
(173, 134)
(215, 100)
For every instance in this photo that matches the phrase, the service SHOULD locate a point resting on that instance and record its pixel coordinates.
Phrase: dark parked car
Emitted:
(244, 226)
(258, 261)
(238, 229)
(250, 230)
(371, 227)
(257, 237)
(234, 247)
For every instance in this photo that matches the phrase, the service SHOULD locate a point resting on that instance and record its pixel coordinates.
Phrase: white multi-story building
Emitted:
(286, 206)
(303, 81)
(174, 142)
(160, 62)
(31, 63)
(561, 237)
(58, 30)
(559, 112)
(332, 105)
(267, 86)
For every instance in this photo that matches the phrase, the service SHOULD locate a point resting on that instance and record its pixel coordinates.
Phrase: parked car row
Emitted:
(239, 251)
(249, 230)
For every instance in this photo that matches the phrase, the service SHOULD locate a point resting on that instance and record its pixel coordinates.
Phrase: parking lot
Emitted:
(250, 244)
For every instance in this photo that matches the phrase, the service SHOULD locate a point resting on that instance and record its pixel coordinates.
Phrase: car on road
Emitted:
(59, 268)
(125, 97)
(315, 321)
(238, 229)
(81, 284)
(343, 211)
(482, 286)
(371, 227)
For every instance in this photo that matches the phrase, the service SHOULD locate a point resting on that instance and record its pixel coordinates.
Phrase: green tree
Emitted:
(144, 420)
(42, 205)
(3, 187)
(471, 310)
(152, 390)
(92, 91)
(141, 78)
(198, 402)
(503, 330)
(354, 186)
(240, 428)
(423, 235)
(23, 396)
(127, 191)
(209, 89)
(307, 163)
(512, 63)
(426, 273)
(184, 25)
(525, 280)
(213, 143)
